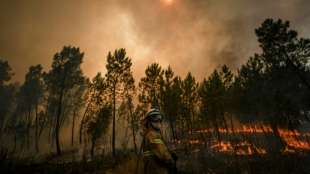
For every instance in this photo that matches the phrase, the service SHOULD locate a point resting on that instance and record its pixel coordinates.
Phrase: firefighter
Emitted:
(156, 155)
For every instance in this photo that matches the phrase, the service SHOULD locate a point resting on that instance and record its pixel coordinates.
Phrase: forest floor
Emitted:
(189, 162)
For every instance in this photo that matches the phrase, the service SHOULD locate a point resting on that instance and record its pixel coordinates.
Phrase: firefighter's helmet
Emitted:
(153, 115)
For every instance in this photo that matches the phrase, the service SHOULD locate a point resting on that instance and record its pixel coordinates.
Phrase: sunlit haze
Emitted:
(190, 35)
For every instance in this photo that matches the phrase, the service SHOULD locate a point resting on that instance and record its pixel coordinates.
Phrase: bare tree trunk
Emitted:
(172, 129)
(36, 130)
(191, 120)
(280, 143)
(72, 130)
(57, 127)
(133, 127)
(134, 140)
(92, 150)
(82, 123)
(1, 126)
(232, 124)
(217, 132)
(42, 126)
(15, 142)
(50, 132)
(113, 126)
(28, 128)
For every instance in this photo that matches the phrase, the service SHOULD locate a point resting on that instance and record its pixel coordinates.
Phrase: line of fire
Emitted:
(247, 140)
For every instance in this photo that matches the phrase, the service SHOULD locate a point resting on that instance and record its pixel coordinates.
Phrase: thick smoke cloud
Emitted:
(190, 35)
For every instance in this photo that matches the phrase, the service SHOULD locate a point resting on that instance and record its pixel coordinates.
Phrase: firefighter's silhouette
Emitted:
(156, 155)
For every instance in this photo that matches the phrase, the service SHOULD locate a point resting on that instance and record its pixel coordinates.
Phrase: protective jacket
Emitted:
(157, 158)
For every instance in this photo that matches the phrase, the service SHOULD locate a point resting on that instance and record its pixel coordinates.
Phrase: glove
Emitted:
(174, 156)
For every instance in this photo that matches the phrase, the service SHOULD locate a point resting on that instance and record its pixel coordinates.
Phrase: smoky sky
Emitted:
(189, 35)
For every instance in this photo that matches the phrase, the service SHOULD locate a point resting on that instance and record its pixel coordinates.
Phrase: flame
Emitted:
(294, 140)
(222, 146)
(243, 148)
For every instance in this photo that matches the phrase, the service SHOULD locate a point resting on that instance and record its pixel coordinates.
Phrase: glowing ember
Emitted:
(222, 147)
(243, 148)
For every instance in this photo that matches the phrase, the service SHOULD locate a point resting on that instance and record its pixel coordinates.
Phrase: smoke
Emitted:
(200, 35)
(189, 35)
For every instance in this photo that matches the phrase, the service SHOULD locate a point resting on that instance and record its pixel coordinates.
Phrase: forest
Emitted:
(251, 120)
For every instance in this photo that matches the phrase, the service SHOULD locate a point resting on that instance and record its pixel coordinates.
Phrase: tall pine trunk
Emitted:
(172, 129)
(92, 149)
(133, 133)
(57, 127)
(134, 140)
(36, 130)
(113, 126)
(82, 123)
(15, 142)
(72, 130)
(28, 128)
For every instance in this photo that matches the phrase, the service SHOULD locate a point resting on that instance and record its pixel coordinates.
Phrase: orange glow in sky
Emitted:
(168, 1)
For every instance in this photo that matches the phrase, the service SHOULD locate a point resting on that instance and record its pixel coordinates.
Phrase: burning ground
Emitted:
(248, 140)
(248, 148)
